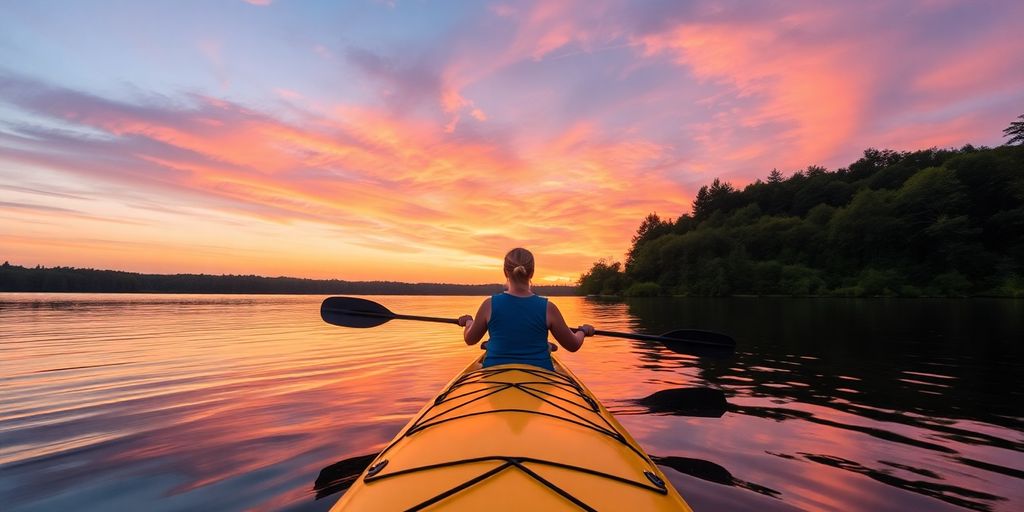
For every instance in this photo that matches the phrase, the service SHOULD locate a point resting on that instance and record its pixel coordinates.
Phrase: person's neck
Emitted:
(519, 290)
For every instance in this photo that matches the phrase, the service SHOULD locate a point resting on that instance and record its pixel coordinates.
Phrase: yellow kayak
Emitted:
(513, 437)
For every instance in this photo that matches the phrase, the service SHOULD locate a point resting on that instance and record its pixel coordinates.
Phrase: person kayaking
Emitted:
(519, 320)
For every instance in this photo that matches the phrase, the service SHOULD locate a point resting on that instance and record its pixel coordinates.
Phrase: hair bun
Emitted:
(518, 265)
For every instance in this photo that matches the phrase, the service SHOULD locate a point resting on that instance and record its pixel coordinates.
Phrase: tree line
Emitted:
(935, 222)
(14, 278)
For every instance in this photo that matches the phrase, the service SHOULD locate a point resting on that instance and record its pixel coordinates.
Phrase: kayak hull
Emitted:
(513, 437)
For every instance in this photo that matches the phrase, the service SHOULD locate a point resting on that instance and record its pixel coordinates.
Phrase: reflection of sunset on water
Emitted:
(239, 401)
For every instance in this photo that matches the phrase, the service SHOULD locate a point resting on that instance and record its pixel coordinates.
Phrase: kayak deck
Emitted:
(513, 437)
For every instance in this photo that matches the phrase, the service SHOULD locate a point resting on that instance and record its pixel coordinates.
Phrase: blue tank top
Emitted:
(519, 331)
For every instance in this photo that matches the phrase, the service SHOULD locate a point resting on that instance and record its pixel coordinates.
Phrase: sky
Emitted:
(419, 141)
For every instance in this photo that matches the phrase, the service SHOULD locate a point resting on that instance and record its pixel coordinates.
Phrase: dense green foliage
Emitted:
(14, 278)
(924, 223)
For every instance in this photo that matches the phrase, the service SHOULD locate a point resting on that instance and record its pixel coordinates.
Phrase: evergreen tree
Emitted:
(701, 203)
(1015, 131)
(720, 196)
(815, 170)
(651, 227)
(775, 176)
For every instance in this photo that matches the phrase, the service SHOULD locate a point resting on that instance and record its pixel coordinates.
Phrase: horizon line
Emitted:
(6, 263)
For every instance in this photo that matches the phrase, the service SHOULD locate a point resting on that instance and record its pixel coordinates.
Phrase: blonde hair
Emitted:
(519, 265)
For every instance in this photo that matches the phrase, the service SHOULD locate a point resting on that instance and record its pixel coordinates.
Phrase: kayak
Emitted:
(513, 437)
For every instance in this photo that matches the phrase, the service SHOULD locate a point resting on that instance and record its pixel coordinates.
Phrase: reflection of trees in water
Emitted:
(922, 363)
(849, 353)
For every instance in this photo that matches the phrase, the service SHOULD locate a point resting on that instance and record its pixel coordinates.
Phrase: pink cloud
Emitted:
(986, 67)
(287, 93)
(814, 91)
(814, 84)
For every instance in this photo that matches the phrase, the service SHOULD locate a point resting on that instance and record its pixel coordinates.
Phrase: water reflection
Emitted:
(193, 402)
(238, 402)
(974, 500)
(928, 390)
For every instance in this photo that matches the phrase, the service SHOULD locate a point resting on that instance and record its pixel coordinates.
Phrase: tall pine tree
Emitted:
(1015, 131)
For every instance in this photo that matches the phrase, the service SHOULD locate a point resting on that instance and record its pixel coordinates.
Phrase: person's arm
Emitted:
(571, 341)
(475, 329)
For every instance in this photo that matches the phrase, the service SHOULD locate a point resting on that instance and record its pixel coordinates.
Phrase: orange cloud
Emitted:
(400, 188)
(813, 92)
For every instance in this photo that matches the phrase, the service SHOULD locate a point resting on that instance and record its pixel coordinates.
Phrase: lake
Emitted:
(232, 402)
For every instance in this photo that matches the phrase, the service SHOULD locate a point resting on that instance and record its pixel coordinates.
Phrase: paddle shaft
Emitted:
(397, 316)
(651, 337)
(597, 332)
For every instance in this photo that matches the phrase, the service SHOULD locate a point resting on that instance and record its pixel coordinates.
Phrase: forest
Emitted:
(15, 278)
(935, 222)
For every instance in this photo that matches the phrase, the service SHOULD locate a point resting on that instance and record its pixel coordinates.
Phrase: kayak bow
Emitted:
(513, 437)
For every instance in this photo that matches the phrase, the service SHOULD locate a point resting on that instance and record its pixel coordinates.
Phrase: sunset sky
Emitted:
(419, 141)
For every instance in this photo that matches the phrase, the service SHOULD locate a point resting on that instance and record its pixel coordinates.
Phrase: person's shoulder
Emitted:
(485, 309)
(552, 313)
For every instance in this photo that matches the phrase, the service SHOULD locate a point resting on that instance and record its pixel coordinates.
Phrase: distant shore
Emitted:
(15, 278)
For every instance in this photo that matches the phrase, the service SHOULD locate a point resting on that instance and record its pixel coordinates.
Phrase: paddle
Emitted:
(341, 475)
(696, 402)
(711, 472)
(363, 313)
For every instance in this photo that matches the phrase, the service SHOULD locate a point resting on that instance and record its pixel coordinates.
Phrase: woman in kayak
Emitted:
(519, 320)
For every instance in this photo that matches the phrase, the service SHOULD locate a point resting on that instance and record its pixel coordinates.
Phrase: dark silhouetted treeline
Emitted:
(938, 222)
(15, 278)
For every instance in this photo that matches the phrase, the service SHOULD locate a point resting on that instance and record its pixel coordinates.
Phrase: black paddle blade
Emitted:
(711, 472)
(697, 402)
(354, 312)
(699, 343)
(341, 475)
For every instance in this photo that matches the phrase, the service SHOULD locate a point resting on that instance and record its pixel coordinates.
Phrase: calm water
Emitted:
(236, 402)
